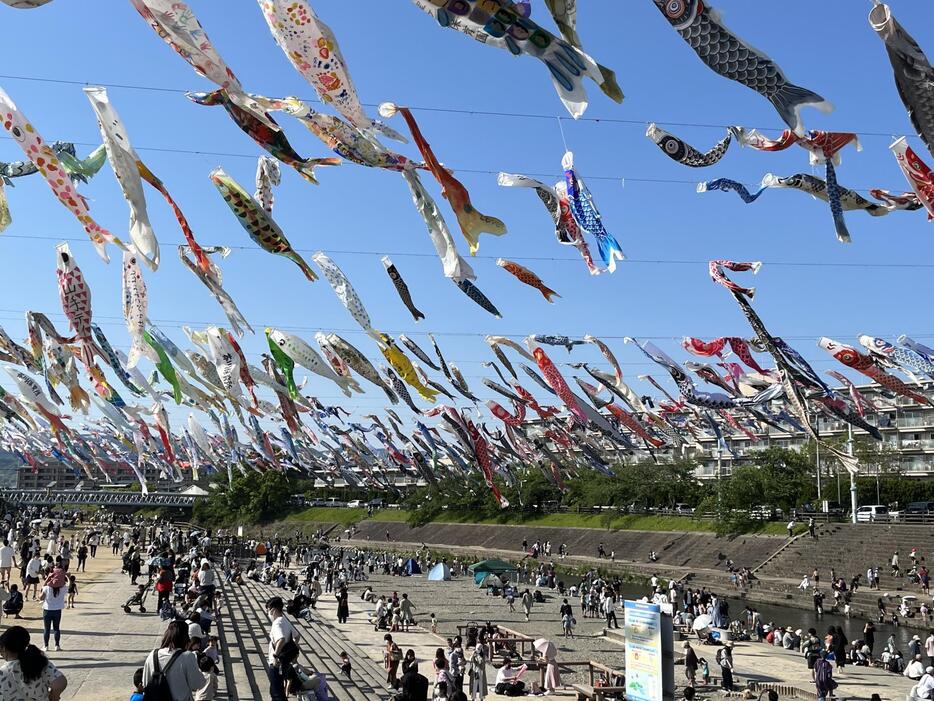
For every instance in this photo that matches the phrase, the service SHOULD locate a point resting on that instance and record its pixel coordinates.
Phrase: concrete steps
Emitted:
(320, 644)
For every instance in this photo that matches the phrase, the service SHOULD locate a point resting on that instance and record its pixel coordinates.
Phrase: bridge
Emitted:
(43, 497)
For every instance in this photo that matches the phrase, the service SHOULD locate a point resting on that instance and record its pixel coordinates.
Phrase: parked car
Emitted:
(872, 513)
(920, 507)
(683, 509)
(375, 503)
(355, 504)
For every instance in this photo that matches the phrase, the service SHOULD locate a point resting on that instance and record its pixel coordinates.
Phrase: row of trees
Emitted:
(776, 478)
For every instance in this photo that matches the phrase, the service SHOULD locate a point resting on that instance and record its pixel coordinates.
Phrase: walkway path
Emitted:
(101, 645)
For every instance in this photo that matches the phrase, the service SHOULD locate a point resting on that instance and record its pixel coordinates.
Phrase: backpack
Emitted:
(158, 687)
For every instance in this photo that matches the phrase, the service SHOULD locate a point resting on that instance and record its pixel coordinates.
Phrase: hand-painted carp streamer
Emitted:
(307, 357)
(910, 361)
(26, 4)
(914, 76)
(526, 276)
(79, 170)
(472, 223)
(402, 365)
(841, 199)
(345, 293)
(794, 372)
(258, 224)
(727, 185)
(359, 364)
(417, 351)
(268, 176)
(556, 202)
(455, 267)
(497, 23)
(5, 218)
(48, 164)
(564, 13)
(917, 172)
(555, 381)
(684, 153)
(716, 273)
(474, 293)
(75, 297)
(726, 54)
(176, 24)
(213, 282)
(401, 288)
(124, 161)
(865, 364)
(271, 139)
(586, 214)
(135, 308)
(312, 49)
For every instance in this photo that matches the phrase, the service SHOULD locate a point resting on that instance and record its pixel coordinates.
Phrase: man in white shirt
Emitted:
(924, 689)
(929, 648)
(507, 680)
(280, 632)
(914, 669)
(7, 561)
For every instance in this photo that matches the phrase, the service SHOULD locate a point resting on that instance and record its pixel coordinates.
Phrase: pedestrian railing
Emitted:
(39, 497)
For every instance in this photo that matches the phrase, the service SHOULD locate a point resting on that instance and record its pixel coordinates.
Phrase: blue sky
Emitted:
(395, 52)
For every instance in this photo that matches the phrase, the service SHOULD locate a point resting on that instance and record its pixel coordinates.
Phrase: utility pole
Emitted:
(849, 448)
(817, 453)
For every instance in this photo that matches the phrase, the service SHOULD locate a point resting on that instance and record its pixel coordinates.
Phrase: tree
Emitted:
(250, 498)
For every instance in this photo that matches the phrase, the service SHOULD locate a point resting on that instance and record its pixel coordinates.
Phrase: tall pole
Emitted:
(817, 452)
(849, 448)
(719, 472)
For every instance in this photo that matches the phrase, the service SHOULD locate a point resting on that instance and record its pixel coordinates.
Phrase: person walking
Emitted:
(173, 660)
(690, 664)
(283, 648)
(791, 528)
(392, 656)
(28, 675)
(609, 609)
(476, 674)
(725, 660)
(53, 602)
(869, 637)
(823, 678)
(343, 606)
(527, 603)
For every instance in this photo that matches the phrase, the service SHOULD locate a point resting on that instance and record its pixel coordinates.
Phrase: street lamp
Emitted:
(849, 447)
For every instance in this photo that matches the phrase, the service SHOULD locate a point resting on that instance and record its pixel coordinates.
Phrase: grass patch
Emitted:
(620, 522)
(328, 514)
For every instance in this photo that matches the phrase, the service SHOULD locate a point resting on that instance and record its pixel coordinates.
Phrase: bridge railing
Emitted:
(95, 498)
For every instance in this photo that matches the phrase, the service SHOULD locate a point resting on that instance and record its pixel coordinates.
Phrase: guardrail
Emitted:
(42, 497)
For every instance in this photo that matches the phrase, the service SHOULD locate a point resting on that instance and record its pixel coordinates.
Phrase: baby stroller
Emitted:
(138, 599)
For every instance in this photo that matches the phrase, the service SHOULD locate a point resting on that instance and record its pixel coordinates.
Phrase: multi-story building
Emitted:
(907, 430)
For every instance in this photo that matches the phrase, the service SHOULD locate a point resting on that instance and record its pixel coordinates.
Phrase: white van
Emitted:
(874, 512)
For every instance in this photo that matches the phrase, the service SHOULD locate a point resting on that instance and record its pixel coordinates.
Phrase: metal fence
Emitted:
(42, 497)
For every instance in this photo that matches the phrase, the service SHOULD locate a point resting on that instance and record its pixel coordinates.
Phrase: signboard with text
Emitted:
(645, 662)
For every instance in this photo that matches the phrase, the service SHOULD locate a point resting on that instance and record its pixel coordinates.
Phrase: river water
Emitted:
(806, 618)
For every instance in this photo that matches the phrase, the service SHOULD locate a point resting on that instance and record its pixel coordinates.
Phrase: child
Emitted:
(567, 621)
(345, 664)
(213, 651)
(434, 624)
(72, 591)
(137, 694)
(208, 692)
(705, 670)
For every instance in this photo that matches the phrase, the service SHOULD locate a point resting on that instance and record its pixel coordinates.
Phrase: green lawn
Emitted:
(333, 514)
(630, 522)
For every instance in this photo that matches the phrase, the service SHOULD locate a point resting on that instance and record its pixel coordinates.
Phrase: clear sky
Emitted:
(810, 285)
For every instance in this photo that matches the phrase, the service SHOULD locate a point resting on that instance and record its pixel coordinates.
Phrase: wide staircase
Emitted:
(850, 548)
(246, 641)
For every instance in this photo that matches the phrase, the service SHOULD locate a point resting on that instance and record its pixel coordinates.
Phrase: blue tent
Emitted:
(411, 567)
(440, 573)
